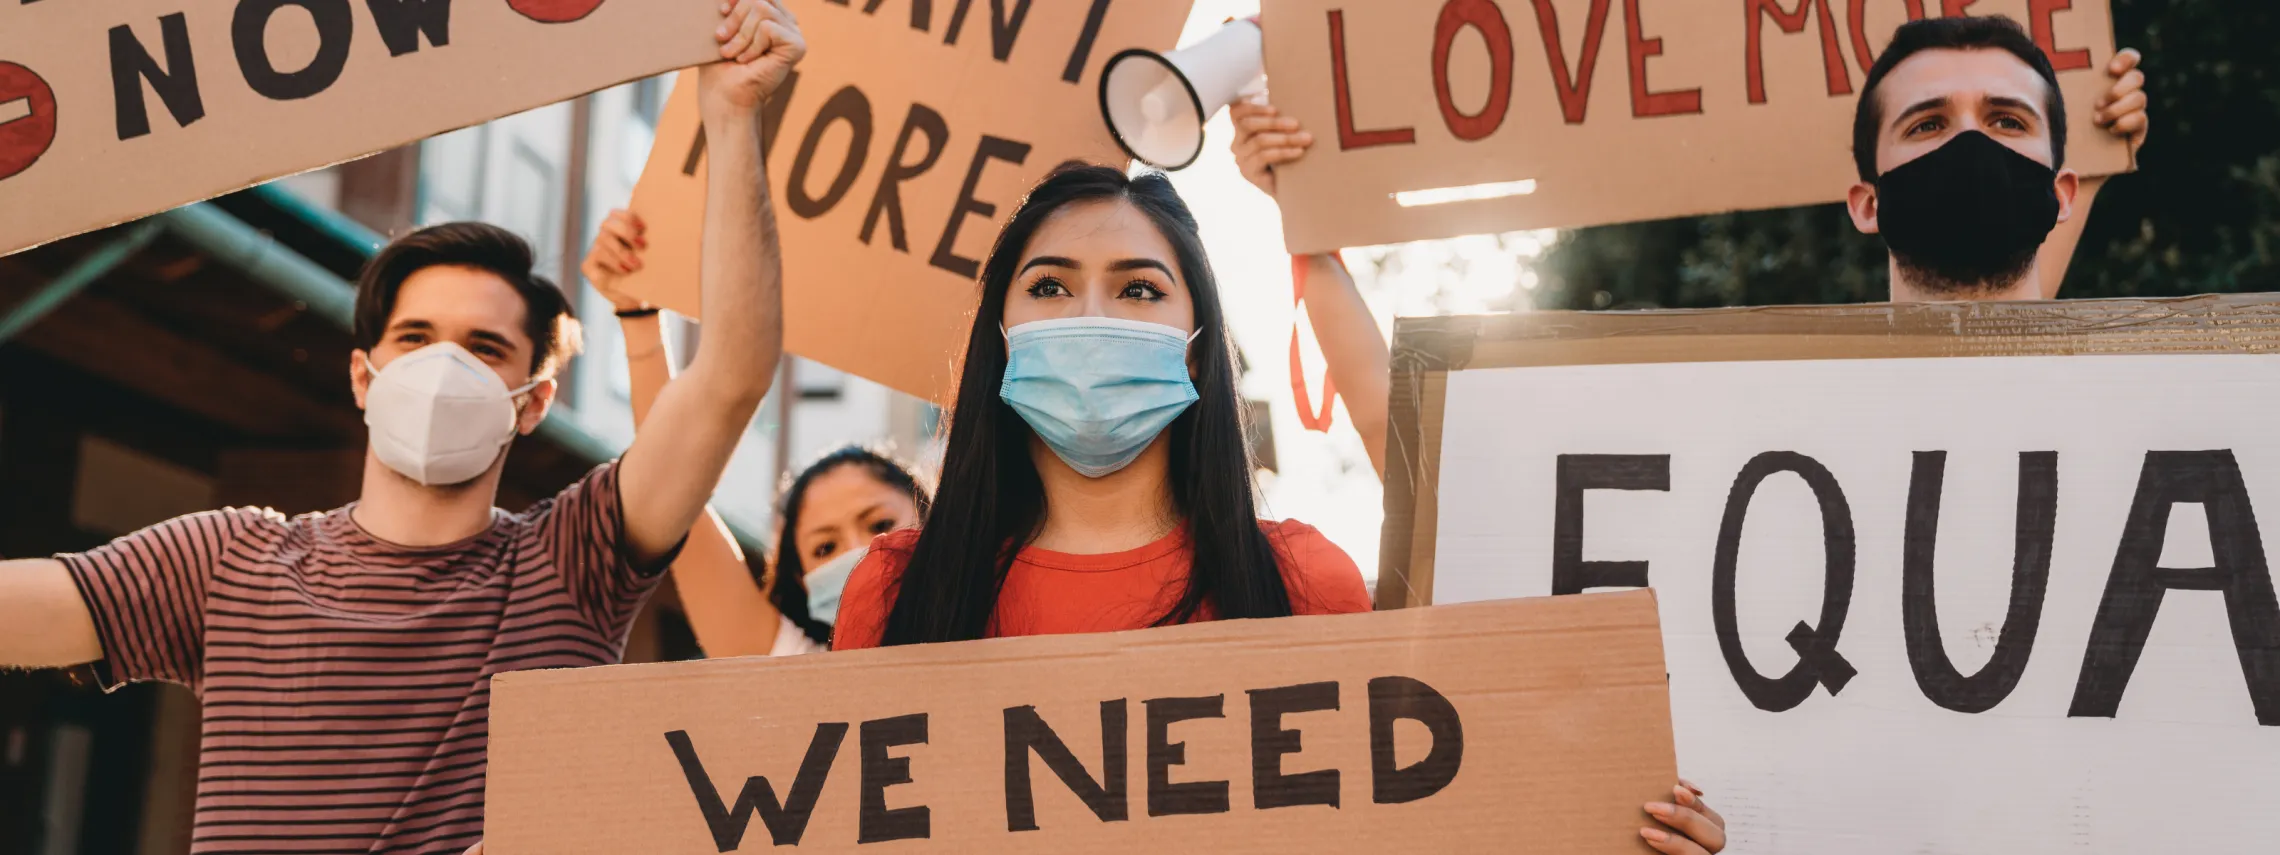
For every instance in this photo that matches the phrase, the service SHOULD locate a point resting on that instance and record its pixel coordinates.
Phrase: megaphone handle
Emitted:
(1308, 417)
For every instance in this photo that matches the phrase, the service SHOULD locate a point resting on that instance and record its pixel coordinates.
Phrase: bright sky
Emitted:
(1325, 479)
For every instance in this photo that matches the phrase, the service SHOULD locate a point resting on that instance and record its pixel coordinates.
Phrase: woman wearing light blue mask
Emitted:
(827, 516)
(1097, 476)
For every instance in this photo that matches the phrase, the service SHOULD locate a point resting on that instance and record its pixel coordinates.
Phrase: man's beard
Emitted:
(1967, 278)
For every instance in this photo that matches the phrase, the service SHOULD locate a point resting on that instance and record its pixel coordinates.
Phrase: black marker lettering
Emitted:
(336, 29)
(696, 156)
(1164, 797)
(1271, 787)
(847, 105)
(1081, 55)
(401, 22)
(881, 770)
(946, 250)
(772, 114)
(1577, 473)
(1818, 661)
(1396, 698)
(2137, 585)
(888, 199)
(2030, 578)
(787, 820)
(1026, 732)
(176, 83)
(771, 121)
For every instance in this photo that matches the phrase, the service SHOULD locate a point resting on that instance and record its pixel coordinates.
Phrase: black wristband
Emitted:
(638, 313)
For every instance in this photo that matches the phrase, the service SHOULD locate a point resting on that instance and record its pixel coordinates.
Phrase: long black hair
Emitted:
(789, 590)
(991, 503)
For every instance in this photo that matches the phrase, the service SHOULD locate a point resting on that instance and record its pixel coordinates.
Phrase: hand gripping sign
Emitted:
(895, 152)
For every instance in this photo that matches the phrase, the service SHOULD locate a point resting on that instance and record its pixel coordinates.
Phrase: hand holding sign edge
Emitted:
(760, 42)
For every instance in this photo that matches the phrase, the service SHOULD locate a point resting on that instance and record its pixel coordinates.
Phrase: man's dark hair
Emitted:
(547, 318)
(1961, 33)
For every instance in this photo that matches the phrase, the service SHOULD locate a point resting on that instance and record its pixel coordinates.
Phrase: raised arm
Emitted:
(1360, 363)
(1358, 360)
(732, 616)
(43, 621)
(2123, 113)
(677, 458)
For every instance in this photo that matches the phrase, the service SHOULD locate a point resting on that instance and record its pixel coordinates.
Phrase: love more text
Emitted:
(1486, 22)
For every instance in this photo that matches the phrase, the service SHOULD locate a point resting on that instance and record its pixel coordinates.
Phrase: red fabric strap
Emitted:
(1308, 417)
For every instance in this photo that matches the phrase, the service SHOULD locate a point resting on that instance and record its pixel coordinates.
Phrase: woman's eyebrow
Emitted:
(1140, 264)
(1048, 261)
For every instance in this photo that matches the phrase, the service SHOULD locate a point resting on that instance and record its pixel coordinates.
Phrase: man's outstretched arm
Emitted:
(43, 621)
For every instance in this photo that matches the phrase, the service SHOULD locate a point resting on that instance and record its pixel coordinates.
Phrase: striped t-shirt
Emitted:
(346, 680)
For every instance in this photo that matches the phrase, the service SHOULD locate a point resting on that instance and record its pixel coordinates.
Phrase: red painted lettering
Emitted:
(1862, 53)
(1832, 59)
(2038, 22)
(1481, 15)
(1955, 8)
(1574, 89)
(1349, 138)
(1645, 103)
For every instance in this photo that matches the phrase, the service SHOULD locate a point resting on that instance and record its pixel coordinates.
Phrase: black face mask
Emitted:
(1969, 216)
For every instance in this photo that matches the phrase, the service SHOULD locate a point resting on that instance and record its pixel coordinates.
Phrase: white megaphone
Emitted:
(1155, 104)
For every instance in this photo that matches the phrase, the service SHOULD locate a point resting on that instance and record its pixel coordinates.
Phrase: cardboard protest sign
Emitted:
(1968, 578)
(901, 144)
(1535, 726)
(110, 112)
(1453, 117)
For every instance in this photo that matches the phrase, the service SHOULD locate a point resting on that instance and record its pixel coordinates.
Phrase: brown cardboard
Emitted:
(1426, 350)
(871, 287)
(76, 158)
(1562, 703)
(1663, 124)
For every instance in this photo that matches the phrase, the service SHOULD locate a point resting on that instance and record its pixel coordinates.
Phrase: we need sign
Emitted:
(1473, 728)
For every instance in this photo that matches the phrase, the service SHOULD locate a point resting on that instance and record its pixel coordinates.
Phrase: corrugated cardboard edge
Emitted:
(523, 703)
(1425, 350)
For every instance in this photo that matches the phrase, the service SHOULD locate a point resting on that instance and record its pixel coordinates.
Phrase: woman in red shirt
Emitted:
(1097, 476)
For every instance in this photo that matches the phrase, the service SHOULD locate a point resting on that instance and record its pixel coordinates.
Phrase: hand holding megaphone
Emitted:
(1156, 104)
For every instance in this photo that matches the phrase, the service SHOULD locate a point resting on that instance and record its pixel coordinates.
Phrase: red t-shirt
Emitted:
(1053, 593)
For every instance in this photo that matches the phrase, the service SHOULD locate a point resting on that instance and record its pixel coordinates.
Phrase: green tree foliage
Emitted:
(2201, 215)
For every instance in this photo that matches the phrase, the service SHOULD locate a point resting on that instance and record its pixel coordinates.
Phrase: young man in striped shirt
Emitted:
(344, 659)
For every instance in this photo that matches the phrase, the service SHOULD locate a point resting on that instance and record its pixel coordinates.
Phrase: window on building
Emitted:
(532, 207)
(452, 174)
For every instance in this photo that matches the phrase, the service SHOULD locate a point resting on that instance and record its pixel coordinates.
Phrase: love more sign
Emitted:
(895, 152)
(113, 111)
(1464, 729)
(1957, 578)
(1437, 118)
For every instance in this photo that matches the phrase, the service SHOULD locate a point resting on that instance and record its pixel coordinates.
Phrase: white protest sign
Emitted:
(2092, 692)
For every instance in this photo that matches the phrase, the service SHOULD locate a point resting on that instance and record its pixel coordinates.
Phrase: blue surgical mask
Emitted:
(1097, 390)
(824, 585)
